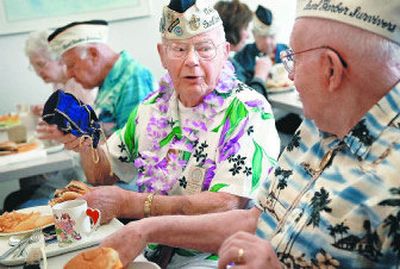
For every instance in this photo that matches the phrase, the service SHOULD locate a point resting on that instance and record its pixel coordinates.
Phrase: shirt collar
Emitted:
(118, 69)
(375, 121)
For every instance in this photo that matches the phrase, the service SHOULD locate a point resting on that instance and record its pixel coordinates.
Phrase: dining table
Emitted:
(57, 255)
(289, 101)
(34, 163)
(58, 262)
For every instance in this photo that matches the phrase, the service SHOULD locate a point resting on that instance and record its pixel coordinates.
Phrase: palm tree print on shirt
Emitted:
(340, 229)
(362, 133)
(366, 244)
(282, 175)
(393, 222)
(319, 203)
(295, 142)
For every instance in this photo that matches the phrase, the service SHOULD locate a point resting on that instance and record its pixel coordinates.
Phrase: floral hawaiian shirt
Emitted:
(227, 143)
(125, 86)
(334, 203)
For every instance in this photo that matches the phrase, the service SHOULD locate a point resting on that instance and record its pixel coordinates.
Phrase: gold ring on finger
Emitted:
(240, 255)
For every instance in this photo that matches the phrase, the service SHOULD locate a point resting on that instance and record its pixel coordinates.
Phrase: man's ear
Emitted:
(161, 53)
(226, 50)
(93, 53)
(333, 70)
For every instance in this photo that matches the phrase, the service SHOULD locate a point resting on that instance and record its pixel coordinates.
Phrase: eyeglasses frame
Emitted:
(193, 45)
(290, 53)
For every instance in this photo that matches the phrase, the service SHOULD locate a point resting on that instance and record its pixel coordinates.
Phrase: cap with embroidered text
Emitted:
(183, 19)
(78, 33)
(379, 17)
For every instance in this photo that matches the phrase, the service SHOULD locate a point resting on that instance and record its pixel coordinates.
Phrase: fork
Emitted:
(14, 248)
(33, 238)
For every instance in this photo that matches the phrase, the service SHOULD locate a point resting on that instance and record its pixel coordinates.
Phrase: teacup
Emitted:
(74, 221)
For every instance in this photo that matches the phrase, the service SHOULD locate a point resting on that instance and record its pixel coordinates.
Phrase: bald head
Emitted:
(89, 64)
(365, 51)
(343, 65)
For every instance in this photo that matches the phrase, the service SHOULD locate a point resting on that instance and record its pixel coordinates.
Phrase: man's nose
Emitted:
(192, 57)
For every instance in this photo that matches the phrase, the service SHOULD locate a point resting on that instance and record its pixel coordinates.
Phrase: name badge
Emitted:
(196, 178)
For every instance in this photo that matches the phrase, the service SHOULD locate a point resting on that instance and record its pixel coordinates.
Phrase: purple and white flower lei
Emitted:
(159, 175)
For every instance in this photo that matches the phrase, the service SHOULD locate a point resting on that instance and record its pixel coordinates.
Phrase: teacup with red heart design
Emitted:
(74, 221)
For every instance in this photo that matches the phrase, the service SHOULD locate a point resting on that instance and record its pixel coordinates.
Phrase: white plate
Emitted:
(54, 250)
(43, 210)
(54, 149)
(143, 265)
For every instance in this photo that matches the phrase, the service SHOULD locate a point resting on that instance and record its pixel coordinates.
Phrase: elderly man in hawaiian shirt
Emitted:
(202, 143)
(123, 82)
(333, 199)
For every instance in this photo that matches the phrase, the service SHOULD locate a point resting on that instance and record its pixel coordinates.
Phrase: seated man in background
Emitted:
(257, 59)
(122, 81)
(201, 143)
(36, 190)
(236, 17)
(52, 70)
(332, 200)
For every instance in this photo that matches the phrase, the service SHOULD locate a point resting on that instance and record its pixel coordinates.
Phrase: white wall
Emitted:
(138, 36)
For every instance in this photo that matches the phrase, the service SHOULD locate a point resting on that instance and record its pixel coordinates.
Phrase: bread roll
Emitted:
(73, 190)
(78, 186)
(8, 146)
(96, 258)
(26, 147)
(65, 196)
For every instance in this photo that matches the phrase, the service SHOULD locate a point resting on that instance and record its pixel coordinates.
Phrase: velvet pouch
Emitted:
(72, 116)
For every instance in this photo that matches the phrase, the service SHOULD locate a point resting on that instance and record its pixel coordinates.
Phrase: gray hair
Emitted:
(83, 49)
(37, 43)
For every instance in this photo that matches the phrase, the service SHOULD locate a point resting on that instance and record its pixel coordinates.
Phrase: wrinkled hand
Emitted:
(128, 241)
(51, 132)
(263, 67)
(108, 199)
(257, 253)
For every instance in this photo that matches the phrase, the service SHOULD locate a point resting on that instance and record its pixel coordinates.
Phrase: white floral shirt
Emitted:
(227, 143)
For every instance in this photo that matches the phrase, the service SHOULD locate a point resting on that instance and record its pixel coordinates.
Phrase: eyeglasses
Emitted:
(205, 50)
(288, 59)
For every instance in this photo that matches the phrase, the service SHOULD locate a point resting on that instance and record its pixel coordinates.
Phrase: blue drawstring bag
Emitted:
(72, 116)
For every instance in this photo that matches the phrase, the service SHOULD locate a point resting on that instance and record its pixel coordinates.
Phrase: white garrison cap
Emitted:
(183, 19)
(78, 33)
(263, 22)
(380, 17)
